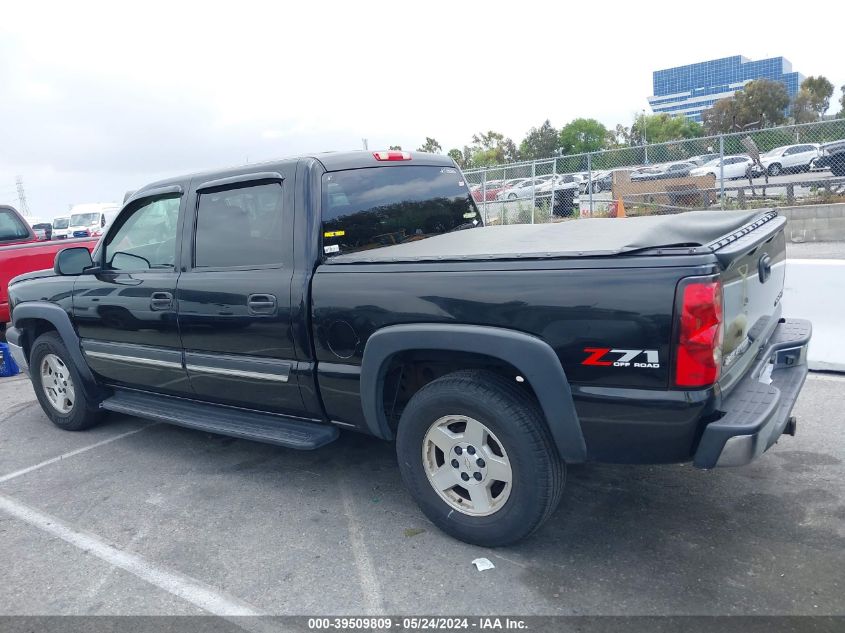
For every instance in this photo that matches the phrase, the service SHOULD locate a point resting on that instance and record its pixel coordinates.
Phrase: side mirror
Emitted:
(72, 261)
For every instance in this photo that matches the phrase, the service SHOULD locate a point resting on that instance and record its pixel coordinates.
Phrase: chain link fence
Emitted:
(774, 167)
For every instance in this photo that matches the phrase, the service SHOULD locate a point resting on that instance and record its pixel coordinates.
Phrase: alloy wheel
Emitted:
(467, 465)
(57, 383)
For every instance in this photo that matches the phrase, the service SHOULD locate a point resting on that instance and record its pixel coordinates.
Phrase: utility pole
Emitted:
(645, 138)
(24, 207)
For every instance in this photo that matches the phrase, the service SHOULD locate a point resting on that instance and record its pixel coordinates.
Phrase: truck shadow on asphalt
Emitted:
(611, 509)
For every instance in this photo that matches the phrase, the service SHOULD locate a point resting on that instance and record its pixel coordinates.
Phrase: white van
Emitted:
(60, 228)
(89, 220)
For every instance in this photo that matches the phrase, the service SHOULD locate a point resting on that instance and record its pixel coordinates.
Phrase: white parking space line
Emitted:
(366, 570)
(185, 587)
(84, 449)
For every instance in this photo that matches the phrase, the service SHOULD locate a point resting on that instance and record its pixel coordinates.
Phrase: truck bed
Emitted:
(587, 237)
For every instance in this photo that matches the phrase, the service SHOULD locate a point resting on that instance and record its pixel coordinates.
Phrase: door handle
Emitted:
(261, 304)
(161, 301)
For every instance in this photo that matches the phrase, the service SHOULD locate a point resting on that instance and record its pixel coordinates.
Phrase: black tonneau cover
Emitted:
(585, 237)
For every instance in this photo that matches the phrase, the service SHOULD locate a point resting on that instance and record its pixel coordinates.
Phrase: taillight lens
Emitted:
(392, 155)
(699, 354)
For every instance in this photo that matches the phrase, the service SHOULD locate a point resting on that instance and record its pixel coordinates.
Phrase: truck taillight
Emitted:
(699, 353)
(392, 155)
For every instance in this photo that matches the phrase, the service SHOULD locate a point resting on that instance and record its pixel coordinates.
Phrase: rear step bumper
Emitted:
(757, 412)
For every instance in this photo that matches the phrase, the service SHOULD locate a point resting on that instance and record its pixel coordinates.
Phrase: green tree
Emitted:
(661, 128)
(491, 148)
(802, 108)
(540, 142)
(431, 146)
(582, 135)
(819, 91)
(842, 102)
(620, 136)
(763, 101)
(457, 156)
(721, 116)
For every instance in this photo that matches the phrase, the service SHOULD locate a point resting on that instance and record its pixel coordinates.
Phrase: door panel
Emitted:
(126, 313)
(234, 296)
(117, 314)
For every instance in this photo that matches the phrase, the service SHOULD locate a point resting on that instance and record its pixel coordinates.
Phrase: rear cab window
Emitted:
(373, 207)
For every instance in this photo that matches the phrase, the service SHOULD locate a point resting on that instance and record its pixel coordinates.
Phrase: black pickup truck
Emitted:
(284, 301)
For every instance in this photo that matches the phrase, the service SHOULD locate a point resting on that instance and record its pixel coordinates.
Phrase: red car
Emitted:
(21, 252)
(489, 192)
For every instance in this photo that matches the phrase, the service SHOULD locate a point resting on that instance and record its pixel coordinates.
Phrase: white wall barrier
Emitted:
(815, 290)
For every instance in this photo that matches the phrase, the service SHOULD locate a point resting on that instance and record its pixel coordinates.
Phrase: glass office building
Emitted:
(691, 89)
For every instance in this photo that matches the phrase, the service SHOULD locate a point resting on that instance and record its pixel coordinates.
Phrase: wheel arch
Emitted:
(533, 357)
(32, 319)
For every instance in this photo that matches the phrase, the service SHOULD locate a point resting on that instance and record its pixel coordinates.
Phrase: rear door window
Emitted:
(381, 206)
(240, 227)
(12, 229)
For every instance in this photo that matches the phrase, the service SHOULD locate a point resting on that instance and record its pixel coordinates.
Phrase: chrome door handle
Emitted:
(261, 304)
(161, 301)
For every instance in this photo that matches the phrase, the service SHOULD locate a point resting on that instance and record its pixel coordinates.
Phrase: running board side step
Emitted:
(248, 425)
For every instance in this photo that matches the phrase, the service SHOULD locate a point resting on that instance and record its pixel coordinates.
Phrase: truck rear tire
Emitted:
(58, 385)
(478, 458)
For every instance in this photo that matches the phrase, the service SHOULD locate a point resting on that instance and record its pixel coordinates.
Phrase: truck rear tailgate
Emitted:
(753, 262)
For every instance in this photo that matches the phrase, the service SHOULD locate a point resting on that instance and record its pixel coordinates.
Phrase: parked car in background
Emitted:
(645, 173)
(598, 181)
(672, 170)
(22, 252)
(832, 157)
(702, 159)
(60, 228)
(735, 166)
(520, 188)
(43, 230)
(565, 188)
(488, 191)
(604, 182)
(790, 158)
(86, 219)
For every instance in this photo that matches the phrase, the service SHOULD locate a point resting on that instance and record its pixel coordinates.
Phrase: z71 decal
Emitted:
(608, 357)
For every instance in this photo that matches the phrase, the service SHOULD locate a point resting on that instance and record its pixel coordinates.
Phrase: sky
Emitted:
(97, 99)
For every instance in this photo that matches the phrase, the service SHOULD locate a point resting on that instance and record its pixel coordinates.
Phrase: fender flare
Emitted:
(532, 356)
(54, 314)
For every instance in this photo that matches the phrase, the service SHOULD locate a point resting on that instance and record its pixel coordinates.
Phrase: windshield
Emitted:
(381, 206)
(60, 223)
(84, 219)
(11, 228)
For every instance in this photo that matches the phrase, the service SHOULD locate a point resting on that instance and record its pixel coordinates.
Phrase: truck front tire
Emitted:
(58, 385)
(476, 454)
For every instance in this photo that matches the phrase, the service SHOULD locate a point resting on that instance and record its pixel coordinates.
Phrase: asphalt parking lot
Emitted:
(140, 518)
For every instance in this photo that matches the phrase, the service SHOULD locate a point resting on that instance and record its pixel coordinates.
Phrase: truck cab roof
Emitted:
(329, 161)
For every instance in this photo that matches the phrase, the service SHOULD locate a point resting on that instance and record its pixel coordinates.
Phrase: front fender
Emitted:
(31, 311)
(533, 357)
